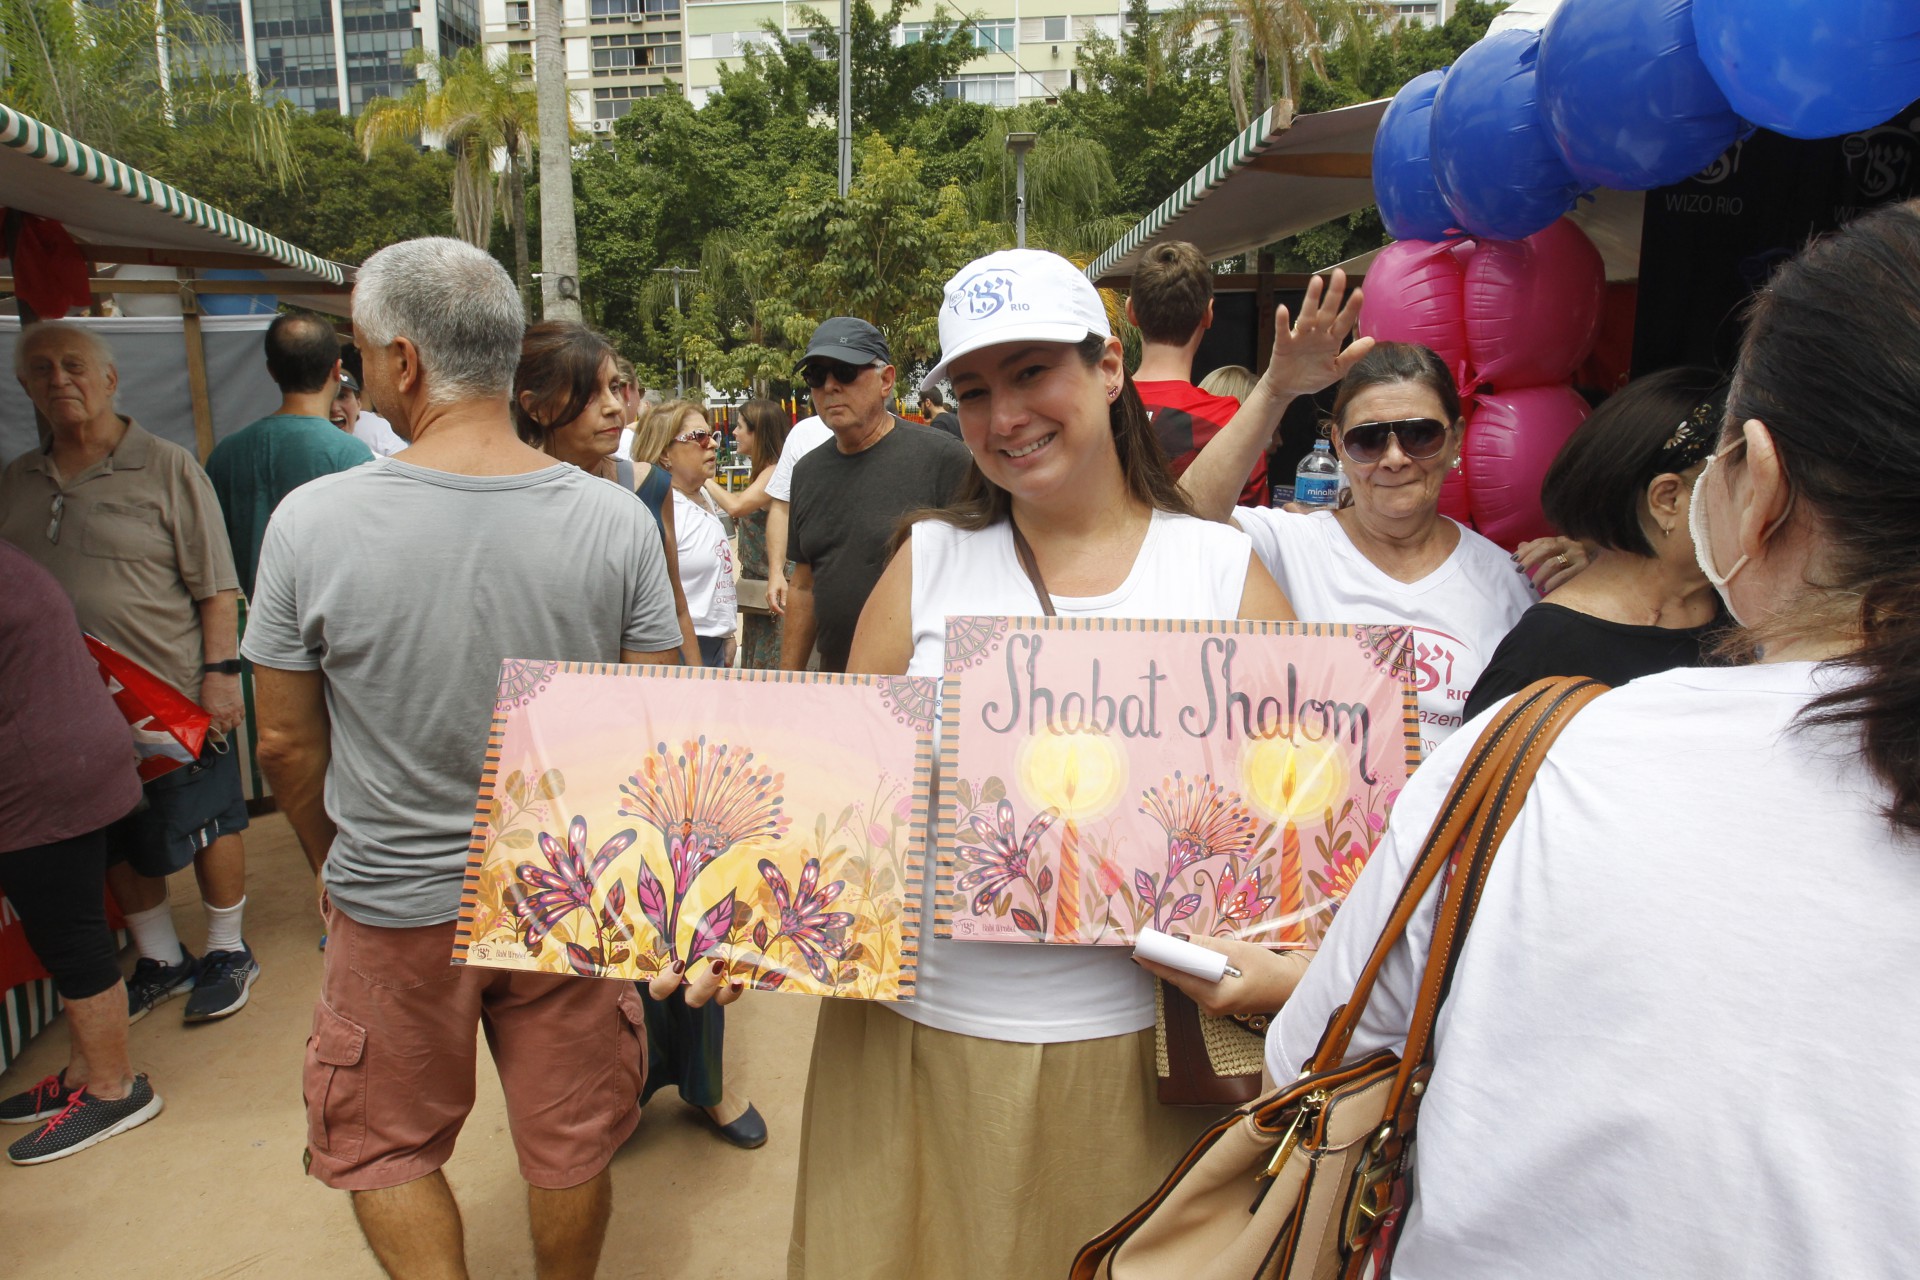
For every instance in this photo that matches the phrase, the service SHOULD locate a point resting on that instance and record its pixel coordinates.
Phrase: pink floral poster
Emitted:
(1099, 776)
(630, 817)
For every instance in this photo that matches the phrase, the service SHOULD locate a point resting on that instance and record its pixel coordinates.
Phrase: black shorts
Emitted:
(59, 889)
(185, 811)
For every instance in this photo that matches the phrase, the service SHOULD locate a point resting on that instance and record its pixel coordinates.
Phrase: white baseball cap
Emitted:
(1016, 295)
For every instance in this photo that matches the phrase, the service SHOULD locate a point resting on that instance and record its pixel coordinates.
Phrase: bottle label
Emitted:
(1316, 491)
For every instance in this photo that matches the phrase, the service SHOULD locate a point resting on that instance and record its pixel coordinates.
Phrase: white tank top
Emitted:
(1033, 993)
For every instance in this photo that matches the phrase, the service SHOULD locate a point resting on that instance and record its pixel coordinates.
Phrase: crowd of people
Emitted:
(1668, 1048)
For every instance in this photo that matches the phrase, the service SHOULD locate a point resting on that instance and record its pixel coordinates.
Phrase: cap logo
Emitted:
(984, 294)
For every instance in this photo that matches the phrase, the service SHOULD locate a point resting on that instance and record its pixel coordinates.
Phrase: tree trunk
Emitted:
(559, 250)
(1263, 82)
(517, 222)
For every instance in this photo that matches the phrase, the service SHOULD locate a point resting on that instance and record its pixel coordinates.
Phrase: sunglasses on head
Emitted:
(816, 373)
(700, 436)
(1420, 439)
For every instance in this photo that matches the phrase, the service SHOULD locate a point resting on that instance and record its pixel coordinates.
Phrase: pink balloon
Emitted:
(1512, 438)
(1415, 292)
(1533, 306)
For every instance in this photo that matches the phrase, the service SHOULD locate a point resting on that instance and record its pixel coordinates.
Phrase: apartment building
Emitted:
(334, 55)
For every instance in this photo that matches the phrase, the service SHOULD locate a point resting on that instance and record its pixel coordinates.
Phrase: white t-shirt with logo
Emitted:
(807, 435)
(1028, 992)
(1460, 612)
(1679, 1039)
(706, 567)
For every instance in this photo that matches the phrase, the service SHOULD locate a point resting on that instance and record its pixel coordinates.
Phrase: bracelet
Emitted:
(1255, 1022)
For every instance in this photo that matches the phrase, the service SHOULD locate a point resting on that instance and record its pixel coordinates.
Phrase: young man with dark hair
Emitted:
(1172, 305)
(257, 466)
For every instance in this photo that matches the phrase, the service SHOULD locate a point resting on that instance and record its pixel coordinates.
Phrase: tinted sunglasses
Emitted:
(1420, 439)
(815, 374)
(701, 436)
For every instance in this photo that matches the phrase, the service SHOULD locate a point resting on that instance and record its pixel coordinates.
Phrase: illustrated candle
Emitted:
(1293, 894)
(1079, 775)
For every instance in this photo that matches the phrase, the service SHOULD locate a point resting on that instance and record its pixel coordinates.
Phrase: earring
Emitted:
(1113, 393)
(1455, 464)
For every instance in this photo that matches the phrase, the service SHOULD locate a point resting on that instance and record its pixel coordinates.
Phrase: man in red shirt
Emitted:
(1172, 305)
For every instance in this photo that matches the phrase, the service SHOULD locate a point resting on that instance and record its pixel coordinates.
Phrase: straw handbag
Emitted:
(1306, 1182)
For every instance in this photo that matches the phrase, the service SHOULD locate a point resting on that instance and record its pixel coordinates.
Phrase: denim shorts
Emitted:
(183, 812)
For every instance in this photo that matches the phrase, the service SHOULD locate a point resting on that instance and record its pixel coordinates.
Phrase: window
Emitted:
(521, 49)
(635, 10)
(995, 89)
(614, 101)
(993, 34)
(636, 53)
(1055, 29)
(519, 11)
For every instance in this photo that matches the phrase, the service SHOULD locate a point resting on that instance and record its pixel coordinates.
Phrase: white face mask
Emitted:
(1703, 547)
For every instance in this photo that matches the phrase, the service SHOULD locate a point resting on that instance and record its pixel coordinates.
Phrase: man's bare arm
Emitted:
(294, 749)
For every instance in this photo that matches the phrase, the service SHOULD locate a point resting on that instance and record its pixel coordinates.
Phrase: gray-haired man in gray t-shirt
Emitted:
(387, 599)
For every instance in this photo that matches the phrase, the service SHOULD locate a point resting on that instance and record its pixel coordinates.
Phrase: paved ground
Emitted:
(213, 1187)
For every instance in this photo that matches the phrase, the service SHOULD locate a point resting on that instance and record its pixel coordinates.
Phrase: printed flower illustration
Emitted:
(702, 800)
(1238, 898)
(1202, 820)
(1001, 857)
(816, 933)
(567, 884)
(521, 681)
(1343, 869)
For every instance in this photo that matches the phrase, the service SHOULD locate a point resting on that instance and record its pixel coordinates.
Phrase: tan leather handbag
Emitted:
(1307, 1183)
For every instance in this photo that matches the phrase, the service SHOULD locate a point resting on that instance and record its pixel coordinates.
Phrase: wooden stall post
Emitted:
(196, 364)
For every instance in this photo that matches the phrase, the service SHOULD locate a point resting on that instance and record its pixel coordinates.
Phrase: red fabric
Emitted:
(1186, 418)
(49, 271)
(18, 963)
(169, 728)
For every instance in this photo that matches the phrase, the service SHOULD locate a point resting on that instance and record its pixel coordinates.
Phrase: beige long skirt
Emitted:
(926, 1155)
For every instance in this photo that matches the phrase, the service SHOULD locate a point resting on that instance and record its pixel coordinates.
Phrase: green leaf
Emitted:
(963, 794)
(519, 838)
(516, 787)
(553, 785)
(993, 792)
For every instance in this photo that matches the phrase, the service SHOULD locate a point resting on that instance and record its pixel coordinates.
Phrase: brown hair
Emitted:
(1391, 363)
(769, 424)
(981, 503)
(560, 364)
(1171, 289)
(1831, 364)
(658, 426)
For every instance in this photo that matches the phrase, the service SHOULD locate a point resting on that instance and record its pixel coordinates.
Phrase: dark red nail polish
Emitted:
(679, 966)
(719, 968)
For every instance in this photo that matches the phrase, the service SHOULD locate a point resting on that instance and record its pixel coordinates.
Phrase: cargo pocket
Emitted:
(630, 1041)
(336, 1086)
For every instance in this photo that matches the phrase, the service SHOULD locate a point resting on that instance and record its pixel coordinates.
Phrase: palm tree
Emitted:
(477, 108)
(125, 77)
(559, 245)
(1290, 36)
(1069, 182)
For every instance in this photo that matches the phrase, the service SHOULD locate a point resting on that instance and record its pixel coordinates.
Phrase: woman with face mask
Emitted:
(1622, 485)
(1675, 1039)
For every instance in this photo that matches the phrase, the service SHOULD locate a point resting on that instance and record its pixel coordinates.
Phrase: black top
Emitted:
(845, 509)
(948, 421)
(1553, 640)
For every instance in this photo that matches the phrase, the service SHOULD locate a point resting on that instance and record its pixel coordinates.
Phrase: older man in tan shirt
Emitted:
(130, 527)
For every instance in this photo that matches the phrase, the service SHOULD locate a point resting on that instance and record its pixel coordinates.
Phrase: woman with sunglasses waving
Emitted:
(1391, 557)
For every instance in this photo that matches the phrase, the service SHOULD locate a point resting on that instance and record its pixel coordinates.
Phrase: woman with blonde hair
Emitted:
(760, 431)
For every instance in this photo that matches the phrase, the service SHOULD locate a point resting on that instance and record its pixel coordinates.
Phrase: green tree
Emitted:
(96, 72)
(893, 84)
(475, 107)
(1265, 38)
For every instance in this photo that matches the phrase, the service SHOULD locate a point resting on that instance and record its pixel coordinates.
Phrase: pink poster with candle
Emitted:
(1103, 775)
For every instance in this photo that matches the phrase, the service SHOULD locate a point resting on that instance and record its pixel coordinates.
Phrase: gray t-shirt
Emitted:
(846, 507)
(406, 587)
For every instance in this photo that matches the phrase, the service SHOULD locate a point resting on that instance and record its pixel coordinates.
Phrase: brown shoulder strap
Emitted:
(1032, 567)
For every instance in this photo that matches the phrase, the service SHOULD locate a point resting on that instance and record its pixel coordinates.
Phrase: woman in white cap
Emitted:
(992, 1125)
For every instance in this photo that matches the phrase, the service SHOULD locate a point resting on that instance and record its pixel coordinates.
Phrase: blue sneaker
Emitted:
(154, 983)
(221, 988)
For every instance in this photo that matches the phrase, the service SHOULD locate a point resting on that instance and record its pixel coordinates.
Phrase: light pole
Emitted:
(846, 96)
(1020, 144)
(680, 343)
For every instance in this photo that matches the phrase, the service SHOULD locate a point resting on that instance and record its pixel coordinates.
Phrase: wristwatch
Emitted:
(230, 667)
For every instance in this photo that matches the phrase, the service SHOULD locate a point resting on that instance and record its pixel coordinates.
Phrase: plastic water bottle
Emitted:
(1316, 483)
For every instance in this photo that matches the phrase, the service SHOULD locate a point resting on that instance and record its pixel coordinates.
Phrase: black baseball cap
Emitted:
(847, 339)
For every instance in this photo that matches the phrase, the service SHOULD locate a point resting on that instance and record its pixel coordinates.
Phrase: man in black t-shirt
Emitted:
(847, 500)
(939, 417)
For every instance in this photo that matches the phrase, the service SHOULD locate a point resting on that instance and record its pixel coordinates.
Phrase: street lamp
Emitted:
(1020, 144)
(679, 370)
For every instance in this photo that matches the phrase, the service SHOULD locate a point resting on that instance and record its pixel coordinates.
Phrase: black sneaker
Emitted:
(42, 1102)
(221, 988)
(86, 1120)
(154, 983)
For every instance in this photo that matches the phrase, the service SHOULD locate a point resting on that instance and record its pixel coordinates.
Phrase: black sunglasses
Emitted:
(1420, 439)
(816, 374)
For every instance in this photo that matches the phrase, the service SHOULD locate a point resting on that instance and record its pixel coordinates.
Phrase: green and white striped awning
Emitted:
(1282, 174)
(102, 201)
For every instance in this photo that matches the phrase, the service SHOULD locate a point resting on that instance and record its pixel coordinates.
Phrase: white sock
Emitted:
(223, 926)
(153, 933)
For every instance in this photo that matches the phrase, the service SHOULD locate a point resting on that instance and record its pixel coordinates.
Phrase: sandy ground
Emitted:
(213, 1187)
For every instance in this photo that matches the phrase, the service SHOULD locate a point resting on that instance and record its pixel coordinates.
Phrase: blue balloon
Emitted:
(1627, 98)
(1411, 205)
(1812, 68)
(236, 304)
(1493, 158)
